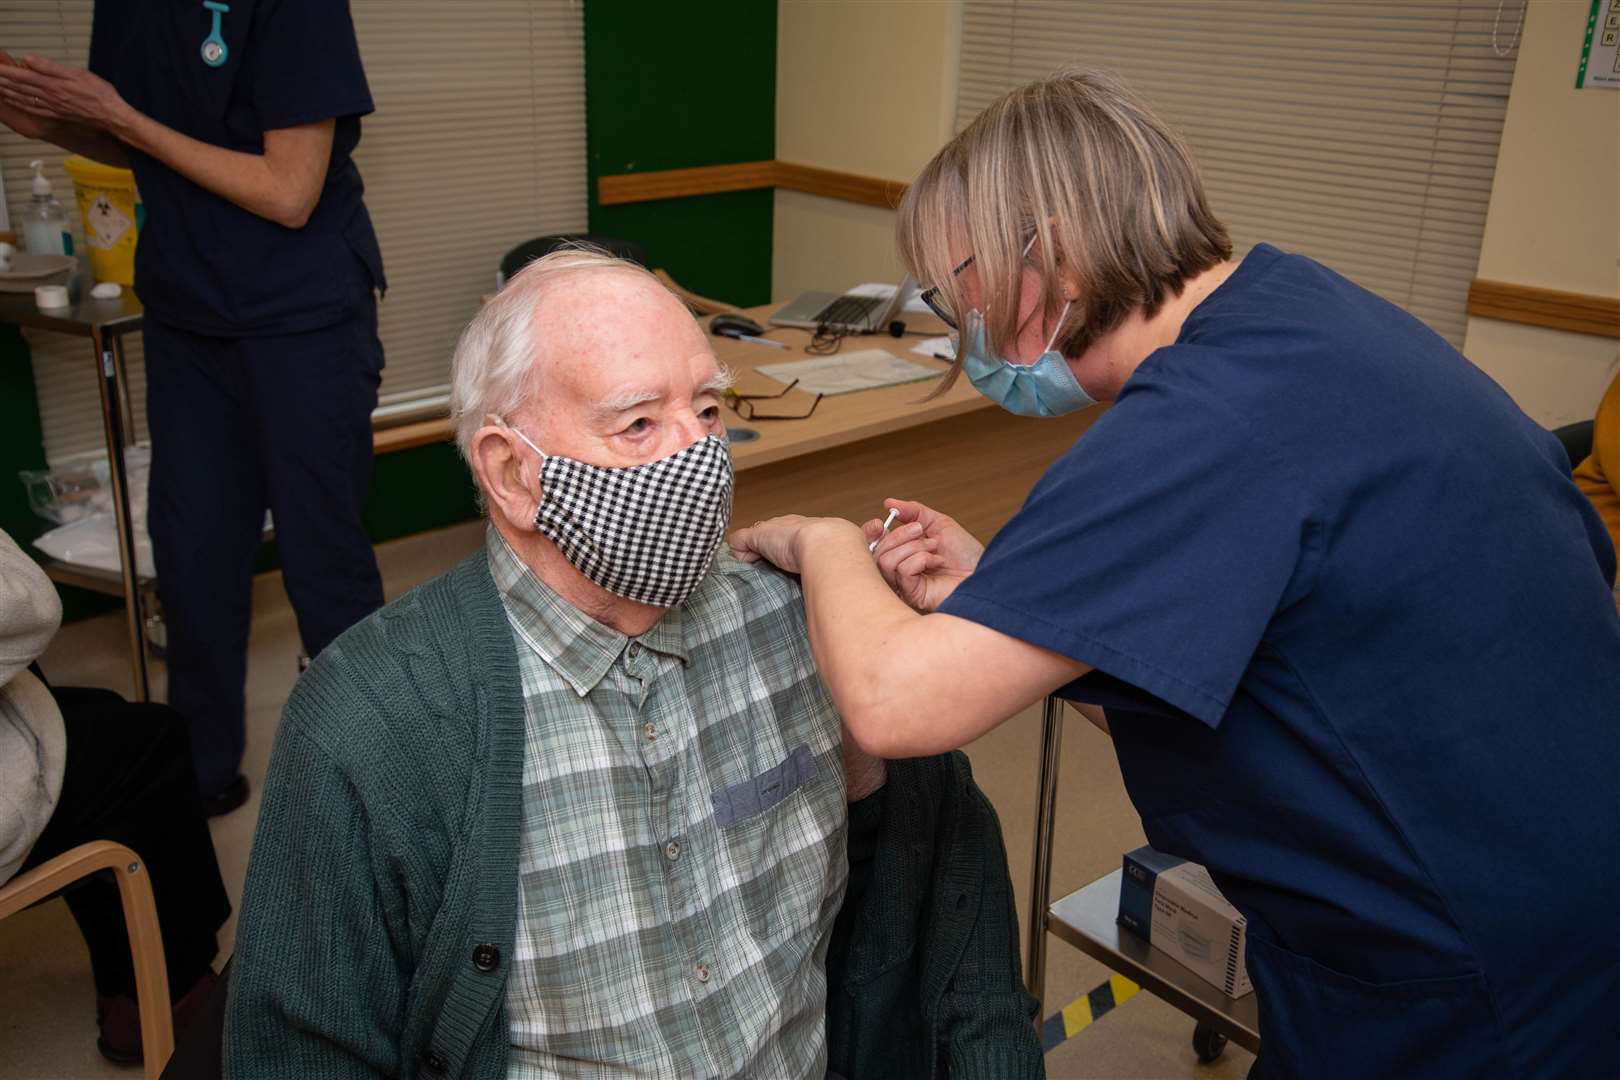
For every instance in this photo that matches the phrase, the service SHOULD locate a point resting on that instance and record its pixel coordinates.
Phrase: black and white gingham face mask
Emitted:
(646, 532)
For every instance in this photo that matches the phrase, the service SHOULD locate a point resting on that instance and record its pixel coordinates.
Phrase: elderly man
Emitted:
(576, 808)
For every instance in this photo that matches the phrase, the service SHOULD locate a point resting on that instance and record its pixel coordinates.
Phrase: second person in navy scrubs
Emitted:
(259, 271)
(1347, 614)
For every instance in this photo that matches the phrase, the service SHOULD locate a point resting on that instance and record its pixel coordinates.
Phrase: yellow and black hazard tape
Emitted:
(1082, 1012)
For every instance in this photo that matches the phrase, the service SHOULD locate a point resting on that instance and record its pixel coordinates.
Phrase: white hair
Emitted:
(493, 371)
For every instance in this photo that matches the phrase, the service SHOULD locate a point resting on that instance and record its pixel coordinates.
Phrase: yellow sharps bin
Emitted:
(106, 197)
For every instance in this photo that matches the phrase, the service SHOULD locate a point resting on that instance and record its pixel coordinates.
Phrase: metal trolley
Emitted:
(1087, 917)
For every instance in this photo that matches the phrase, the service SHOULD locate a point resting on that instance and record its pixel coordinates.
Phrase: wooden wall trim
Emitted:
(406, 436)
(748, 176)
(1580, 313)
(679, 183)
(832, 184)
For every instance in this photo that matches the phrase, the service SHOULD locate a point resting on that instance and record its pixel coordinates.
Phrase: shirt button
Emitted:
(651, 731)
(435, 1061)
(702, 973)
(673, 850)
(486, 957)
(635, 650)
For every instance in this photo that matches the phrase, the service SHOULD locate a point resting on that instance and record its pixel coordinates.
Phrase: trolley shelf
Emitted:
(1086, 919)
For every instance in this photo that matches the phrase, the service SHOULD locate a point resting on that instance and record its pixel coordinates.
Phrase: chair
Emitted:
(140, 920)
(529, 250)
(1577, 440)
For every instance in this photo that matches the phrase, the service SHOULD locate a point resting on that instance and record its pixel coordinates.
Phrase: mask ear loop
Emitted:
(1058, 329)
(525, 438)
(539, 498)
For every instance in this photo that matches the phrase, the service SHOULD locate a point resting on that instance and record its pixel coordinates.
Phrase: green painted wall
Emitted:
(667, 86)
(674, 86)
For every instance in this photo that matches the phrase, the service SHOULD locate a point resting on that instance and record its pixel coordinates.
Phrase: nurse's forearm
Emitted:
(95, 145)
(282, 185)
(909, 684)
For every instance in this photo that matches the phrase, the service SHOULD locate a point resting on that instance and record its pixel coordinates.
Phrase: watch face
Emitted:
(213, 52)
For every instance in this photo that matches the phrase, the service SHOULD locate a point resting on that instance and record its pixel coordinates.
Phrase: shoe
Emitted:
(193, 1004)
(230, 798)
(119, 1019)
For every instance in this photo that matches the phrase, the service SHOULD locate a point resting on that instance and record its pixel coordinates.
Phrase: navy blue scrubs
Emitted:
(262, 355)
(1353, 629)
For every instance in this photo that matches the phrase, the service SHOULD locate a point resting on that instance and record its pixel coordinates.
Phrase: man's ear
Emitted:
(506, 476)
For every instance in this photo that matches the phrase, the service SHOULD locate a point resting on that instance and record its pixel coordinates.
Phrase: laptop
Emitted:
(845, 313)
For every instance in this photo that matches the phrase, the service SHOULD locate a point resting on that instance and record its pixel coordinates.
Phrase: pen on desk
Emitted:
(759, 340)
(886, 523)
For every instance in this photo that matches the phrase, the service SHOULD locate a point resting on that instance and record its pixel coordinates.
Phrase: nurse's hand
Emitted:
(50, 92)
(16, 117)
(926, 554)
(776, 540)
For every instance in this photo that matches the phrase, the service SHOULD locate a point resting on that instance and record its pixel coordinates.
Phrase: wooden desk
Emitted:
(958, 453)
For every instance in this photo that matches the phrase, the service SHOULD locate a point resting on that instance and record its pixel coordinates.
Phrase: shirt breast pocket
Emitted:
(774, 852)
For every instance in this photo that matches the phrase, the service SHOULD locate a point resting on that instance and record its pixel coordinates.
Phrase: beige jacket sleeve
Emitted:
(33, 746)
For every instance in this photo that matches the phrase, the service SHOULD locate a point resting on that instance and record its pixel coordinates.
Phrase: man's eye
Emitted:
(639, 426)
(711, 414)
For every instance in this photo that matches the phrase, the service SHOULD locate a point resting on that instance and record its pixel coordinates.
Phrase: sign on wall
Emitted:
(1600, 52)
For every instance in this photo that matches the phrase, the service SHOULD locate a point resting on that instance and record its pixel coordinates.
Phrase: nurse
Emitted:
(259, 271)
(1347, 617)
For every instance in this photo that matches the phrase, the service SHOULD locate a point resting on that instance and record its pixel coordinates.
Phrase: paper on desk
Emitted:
(913, 302)
(845, 373)
(940, 348)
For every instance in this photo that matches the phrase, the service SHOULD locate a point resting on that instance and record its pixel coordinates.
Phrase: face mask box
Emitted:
(1175, 906)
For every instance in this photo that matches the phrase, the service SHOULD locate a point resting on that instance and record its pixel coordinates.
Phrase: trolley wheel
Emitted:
(1208, 1043)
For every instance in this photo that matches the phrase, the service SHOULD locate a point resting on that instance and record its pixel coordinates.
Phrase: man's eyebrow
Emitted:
(720, 380)
(630, 399)
(625, 402)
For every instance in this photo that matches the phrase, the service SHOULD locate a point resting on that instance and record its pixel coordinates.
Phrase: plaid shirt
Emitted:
(682, 857)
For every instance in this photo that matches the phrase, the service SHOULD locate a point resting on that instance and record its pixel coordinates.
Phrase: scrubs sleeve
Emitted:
(305, 64)
(1158, 550)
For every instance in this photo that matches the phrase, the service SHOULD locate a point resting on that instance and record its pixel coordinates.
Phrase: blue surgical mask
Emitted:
(1046, 387)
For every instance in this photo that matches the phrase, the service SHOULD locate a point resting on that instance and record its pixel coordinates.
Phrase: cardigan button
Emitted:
(435, 1061)
(486, 957)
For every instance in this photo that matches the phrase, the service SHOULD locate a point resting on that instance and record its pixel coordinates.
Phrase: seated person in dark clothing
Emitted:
(79, 764)
(923, 977)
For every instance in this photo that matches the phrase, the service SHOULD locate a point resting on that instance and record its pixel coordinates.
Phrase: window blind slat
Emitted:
(1362, 134)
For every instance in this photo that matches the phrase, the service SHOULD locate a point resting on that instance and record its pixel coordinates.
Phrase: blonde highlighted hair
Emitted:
(1111, 195)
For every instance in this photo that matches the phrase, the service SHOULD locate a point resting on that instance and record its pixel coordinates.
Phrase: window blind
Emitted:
(477, 144)
(64, 367)
(1361, 134)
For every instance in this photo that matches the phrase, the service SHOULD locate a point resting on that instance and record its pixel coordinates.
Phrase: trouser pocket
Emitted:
(1317, 1022)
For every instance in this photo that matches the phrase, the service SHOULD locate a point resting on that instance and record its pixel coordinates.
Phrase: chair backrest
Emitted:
(1577, 440)
(140, 920)
(530, 250)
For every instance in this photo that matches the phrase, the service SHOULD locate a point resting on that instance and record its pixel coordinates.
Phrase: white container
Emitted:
(1175, 905)
(44, 222)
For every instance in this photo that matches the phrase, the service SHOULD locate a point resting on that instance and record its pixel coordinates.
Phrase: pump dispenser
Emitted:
(44, 222)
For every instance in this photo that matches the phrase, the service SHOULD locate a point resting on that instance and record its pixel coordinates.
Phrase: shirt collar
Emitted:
(578, 647)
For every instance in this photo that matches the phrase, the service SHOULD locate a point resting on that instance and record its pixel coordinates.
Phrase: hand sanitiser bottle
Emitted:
(44, 222)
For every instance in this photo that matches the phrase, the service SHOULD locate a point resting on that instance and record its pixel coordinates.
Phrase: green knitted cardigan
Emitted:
(385, 863)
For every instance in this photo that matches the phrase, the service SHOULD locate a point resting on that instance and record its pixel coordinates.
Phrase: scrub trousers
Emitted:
(129, 779)
(239, 425)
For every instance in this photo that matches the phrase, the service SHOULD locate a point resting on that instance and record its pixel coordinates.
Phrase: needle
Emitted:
(886, 523)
